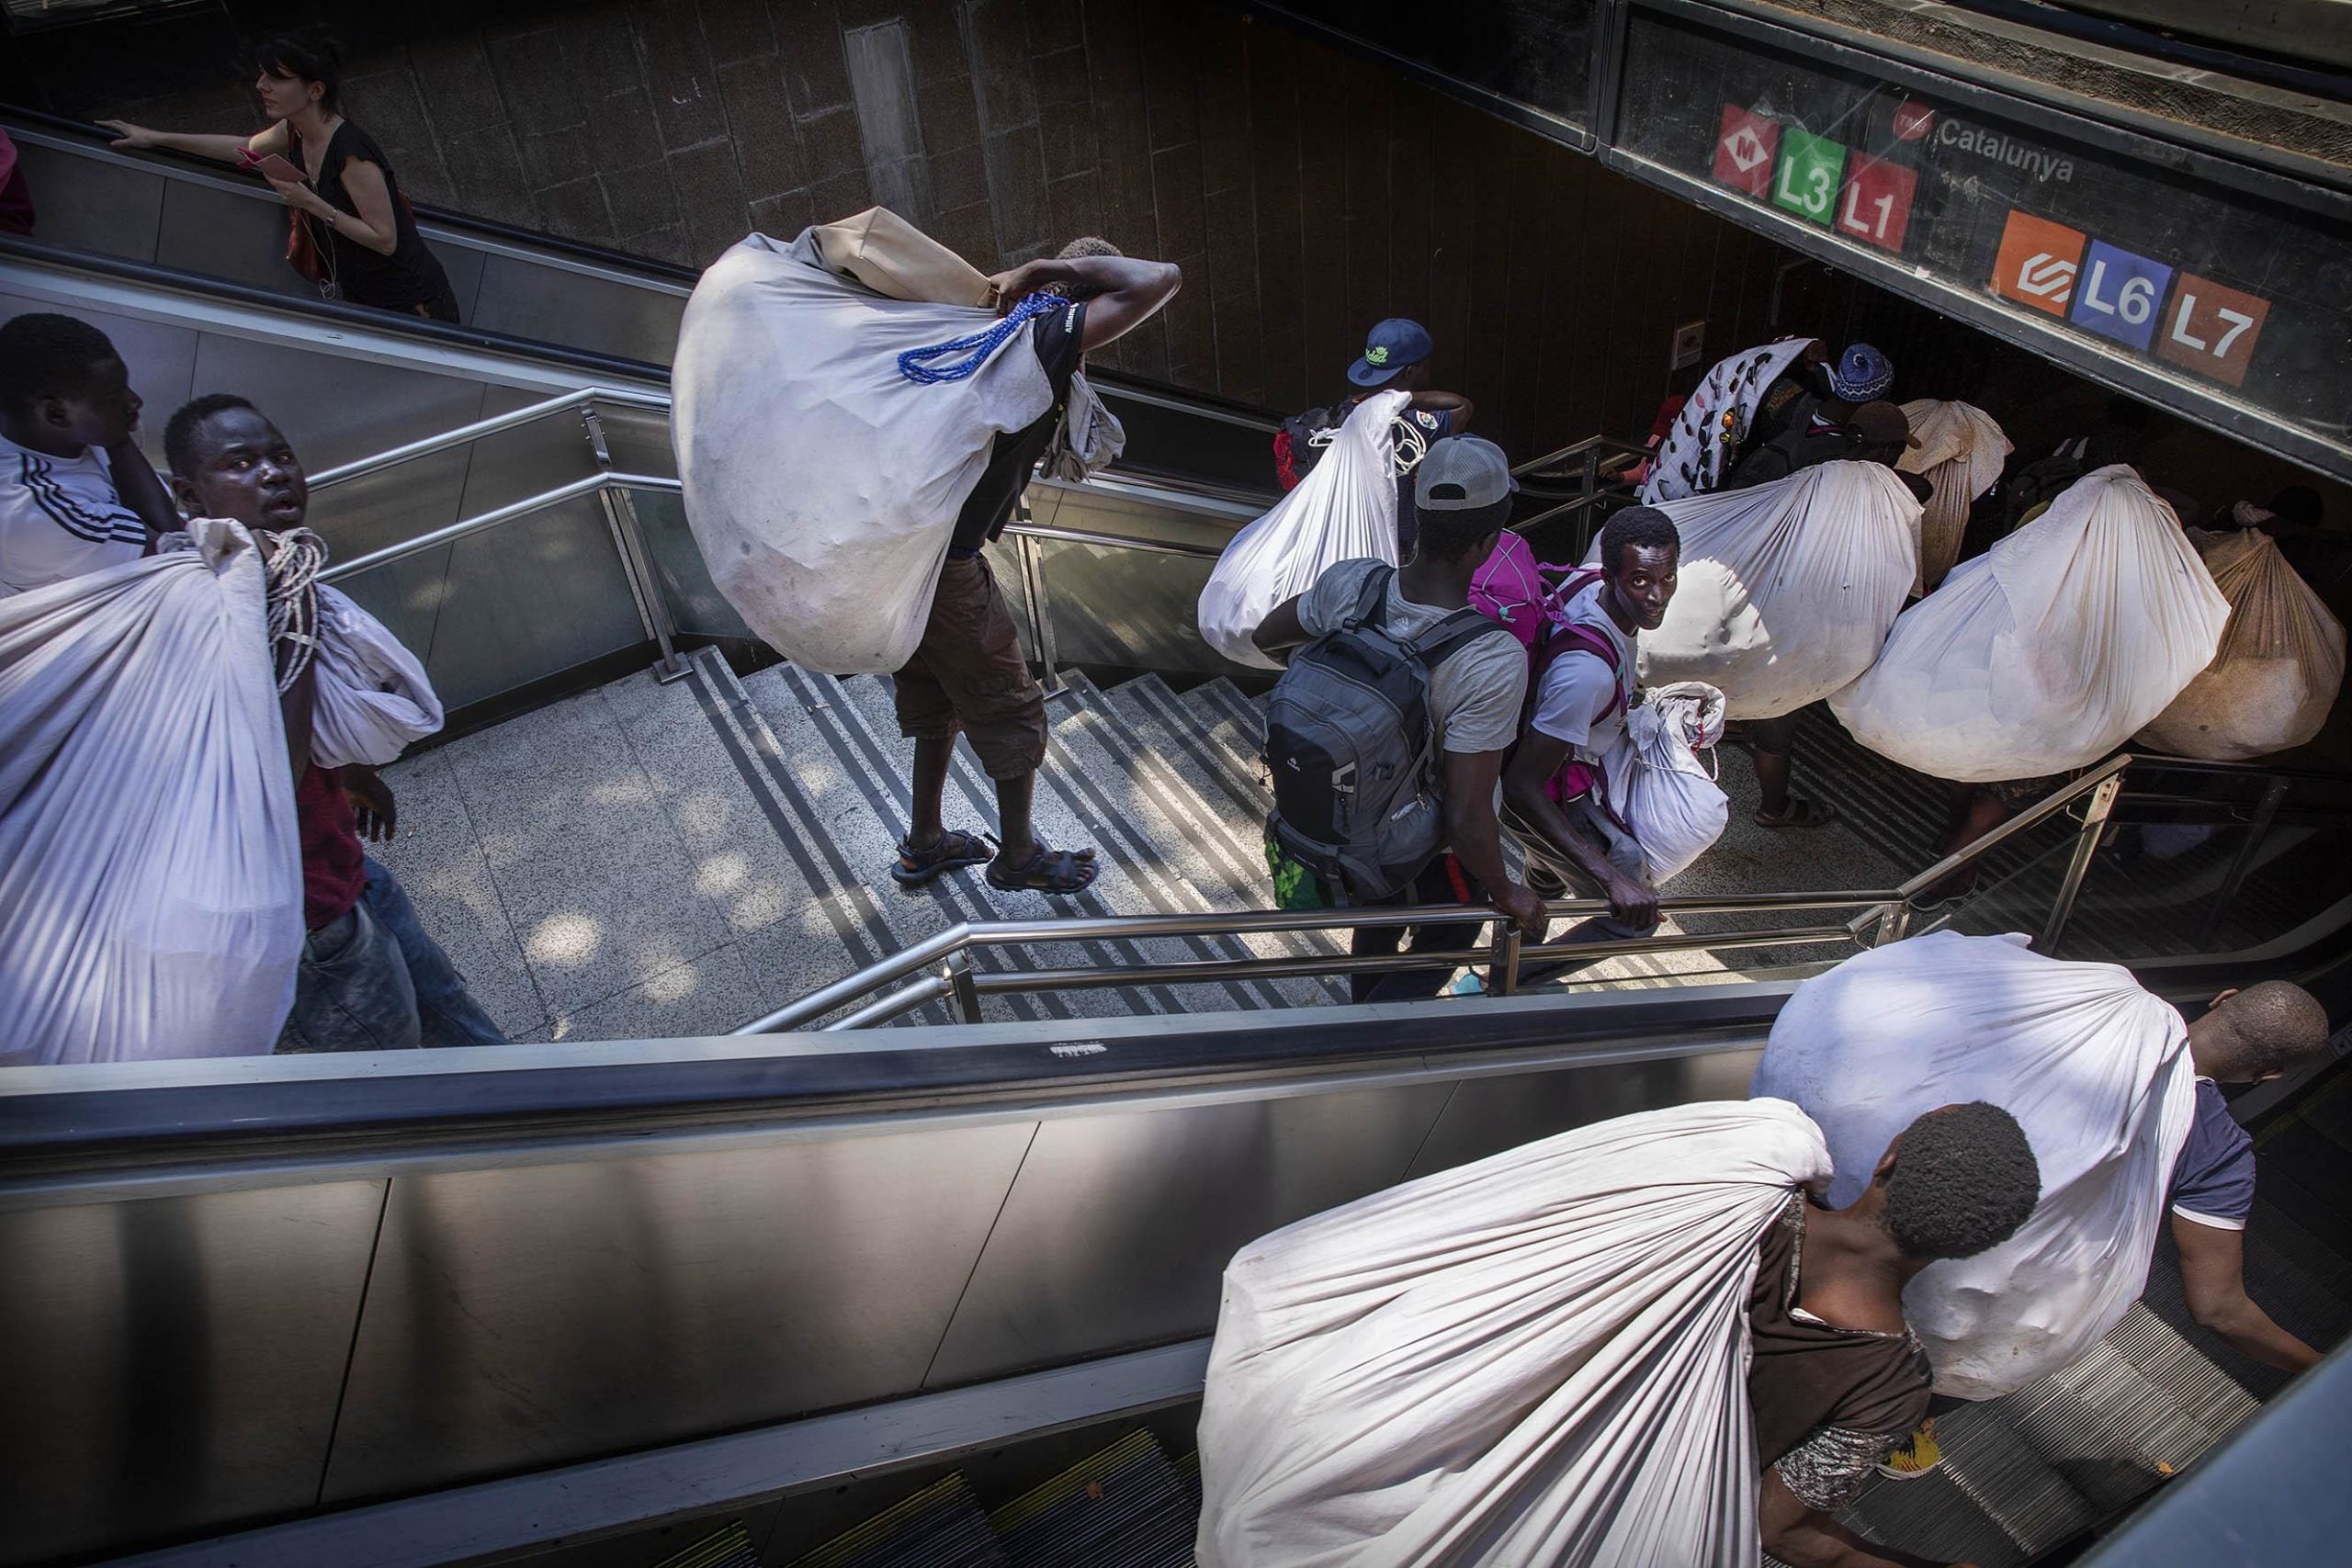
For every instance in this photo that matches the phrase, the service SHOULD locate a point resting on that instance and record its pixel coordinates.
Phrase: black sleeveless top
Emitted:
(407, 279)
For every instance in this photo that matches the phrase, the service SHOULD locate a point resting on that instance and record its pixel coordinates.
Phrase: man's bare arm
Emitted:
(2213, 1276)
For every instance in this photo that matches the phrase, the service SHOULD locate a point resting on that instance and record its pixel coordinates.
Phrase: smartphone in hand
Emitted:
(272, 167)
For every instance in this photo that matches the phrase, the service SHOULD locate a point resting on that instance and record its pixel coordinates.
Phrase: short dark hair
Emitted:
(306, 55)
(1447, 536)
(1085, 245)
(1638, 528)
(2273, 1026)
(179, 431)
(44, 355)
(1964, 1180)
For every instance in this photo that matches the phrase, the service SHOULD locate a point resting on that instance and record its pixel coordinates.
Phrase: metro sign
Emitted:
(2038, 262)
(1743, 148)
(2212, 328)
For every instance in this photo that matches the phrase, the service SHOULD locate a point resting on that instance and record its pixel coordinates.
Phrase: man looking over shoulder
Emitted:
(967, 673)
(371, 979)
(1584, 683)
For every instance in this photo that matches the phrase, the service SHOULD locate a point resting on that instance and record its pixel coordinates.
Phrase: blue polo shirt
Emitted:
(2212, 1182)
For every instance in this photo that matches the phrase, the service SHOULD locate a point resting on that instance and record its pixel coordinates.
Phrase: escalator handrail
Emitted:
(467, 435)
(184, 164)
(33, 254)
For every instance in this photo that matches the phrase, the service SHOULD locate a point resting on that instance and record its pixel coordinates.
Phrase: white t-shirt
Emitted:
(1474, 695)
(1578, 686)
(60, 517)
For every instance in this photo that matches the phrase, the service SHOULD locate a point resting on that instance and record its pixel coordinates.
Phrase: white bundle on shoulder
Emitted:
(1787, 589)
(2096, 1070)
(1961, 454)
(821, 484)
(1541, 1357)
(373, 696)
(1657, 786)
(149, 862)
(1345, 509)
(2050, 650)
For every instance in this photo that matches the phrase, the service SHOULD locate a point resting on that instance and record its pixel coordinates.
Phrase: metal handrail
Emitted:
(956, 939)
(466, 434)
(588, 484)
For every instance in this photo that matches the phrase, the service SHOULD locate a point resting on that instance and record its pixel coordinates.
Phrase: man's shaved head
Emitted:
(2259, 1033)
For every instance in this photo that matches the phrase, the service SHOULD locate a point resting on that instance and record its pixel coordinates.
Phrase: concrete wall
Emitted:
(1305, 192)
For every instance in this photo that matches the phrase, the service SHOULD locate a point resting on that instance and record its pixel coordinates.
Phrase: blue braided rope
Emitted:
(915, 365)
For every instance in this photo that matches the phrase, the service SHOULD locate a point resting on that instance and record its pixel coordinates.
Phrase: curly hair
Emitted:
(1080, 249)
(1638, 528)
(1964, 1180)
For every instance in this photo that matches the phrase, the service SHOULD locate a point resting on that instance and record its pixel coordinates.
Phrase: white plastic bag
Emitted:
(2279, 667)
(1540, 1358)
(1961, 454)
(1654, 782)
(821, 483)
(373, 696)
(1345, 509)
(1787, 589)
(2096, 1071)
(2051, 650)
(150, 867)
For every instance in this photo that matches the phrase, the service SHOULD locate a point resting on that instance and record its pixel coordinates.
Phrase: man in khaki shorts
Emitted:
(967, 673)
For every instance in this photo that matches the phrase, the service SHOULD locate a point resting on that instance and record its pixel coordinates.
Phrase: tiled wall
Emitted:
(1305, 192)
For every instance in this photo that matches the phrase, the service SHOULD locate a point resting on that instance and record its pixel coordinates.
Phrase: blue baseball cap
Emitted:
(1860, 374)
(1391, 347)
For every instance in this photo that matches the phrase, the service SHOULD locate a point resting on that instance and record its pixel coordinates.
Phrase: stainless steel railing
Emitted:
(941, 967)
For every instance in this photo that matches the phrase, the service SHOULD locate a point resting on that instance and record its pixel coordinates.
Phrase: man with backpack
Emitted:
(1395, 359)
(1583, 683)
(1387, 733)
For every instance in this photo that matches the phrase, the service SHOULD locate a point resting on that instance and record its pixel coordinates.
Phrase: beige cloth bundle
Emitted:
(1961, 454)
(2280, 664)
(894, 259)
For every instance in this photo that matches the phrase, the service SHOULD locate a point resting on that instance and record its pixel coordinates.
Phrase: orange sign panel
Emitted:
(2038, 262)
(2211, 327)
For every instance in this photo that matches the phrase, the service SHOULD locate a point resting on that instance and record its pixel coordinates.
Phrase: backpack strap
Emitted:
(1371, 599)
(1454, 634)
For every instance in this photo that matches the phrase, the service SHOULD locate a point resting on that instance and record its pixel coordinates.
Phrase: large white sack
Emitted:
(1961, 454)
(1540, 1358)
(1787, 589)
(821, 483)
(1345, 509)
(2094, 1069)
(2050, 650)
(373, 696)
(150, 870)
(2279, 667)
(1657, 786)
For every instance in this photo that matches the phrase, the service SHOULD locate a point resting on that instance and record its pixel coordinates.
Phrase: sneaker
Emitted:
(1918, 1455)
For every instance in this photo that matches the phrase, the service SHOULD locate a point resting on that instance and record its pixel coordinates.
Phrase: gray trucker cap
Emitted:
(1462, 473)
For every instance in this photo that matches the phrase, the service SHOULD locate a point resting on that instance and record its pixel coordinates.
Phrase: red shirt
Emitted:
(334, 867)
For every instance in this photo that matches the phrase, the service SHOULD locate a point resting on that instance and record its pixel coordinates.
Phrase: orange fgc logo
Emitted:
(2038, 263)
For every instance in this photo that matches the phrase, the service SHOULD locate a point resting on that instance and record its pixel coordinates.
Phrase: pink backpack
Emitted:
(1530, 598)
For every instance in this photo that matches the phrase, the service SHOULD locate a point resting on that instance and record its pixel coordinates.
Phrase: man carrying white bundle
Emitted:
(967, 674)
(371, 977)
(2118, 1095)
(1637, 1345)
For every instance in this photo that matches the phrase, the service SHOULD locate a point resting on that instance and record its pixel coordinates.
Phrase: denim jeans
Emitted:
(445, 1015)
(374, 981)
(1437, 884)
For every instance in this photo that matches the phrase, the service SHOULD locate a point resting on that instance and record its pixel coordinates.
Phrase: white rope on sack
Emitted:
(1411, 447)
(294, 603)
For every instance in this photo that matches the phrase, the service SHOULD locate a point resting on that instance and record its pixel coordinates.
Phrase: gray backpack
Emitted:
(1351, 746)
